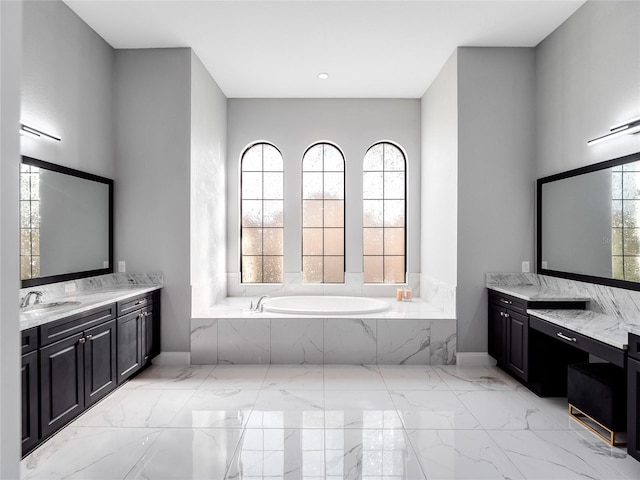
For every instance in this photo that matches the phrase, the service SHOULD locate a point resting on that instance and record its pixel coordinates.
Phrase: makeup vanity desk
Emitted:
(535, 333)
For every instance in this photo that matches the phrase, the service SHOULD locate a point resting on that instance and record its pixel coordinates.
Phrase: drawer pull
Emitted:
(507, 302)
(140, 302)
(564, 337)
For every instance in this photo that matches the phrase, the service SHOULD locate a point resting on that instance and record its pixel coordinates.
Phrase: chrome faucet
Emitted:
(34, 293)
(260, 304)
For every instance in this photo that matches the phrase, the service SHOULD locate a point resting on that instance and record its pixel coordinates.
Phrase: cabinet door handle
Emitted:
(82, 340)
(564, 337)
(507, 302)
(502, 314)
(506, 315)
(89, 337)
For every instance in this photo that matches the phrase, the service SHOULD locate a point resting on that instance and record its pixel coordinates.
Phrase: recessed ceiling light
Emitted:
(323, 76)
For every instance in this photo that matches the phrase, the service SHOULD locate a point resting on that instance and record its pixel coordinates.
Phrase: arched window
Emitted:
(323, 214)
(384, 212)
(262, 214)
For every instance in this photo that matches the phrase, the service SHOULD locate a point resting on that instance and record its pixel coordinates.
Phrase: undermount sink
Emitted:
(43, 306)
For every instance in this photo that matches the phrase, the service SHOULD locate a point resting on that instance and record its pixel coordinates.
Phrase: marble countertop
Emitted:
(538, 293)
(89, 300)
(238, 307)
(605, 328)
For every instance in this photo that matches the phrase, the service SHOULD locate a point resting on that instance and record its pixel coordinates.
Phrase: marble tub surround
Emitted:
(408, 333)
(605, 328)
(90, 293)
(238, 307)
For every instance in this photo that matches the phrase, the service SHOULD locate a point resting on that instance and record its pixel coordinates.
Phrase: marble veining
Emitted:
(326, 423)
(539, 293)
(88, 300)
(611, 314)
(598, 326)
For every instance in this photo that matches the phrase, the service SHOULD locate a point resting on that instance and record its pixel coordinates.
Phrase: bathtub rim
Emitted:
(382, 306)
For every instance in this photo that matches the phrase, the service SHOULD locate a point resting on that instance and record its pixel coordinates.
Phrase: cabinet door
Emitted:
(29, 401)
(147, 336)
(100, 375)
(61, 383)
(497, 333)
(517, 344)
(129, 345)
(633, 407)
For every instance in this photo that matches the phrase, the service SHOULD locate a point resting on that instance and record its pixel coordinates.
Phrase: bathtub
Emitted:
(324, 305)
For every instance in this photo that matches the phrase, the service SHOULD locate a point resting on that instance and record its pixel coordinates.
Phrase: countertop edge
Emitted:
(117, 296)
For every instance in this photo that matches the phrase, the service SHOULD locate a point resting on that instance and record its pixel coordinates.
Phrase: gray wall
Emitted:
(152, 116)
(67, 89)
(208, 188)
(10, 57)
(354, 125)
(495, 177)
(440, 176)
(587, 79)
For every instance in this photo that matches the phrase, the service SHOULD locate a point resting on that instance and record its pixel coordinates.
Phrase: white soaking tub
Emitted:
(324, 305)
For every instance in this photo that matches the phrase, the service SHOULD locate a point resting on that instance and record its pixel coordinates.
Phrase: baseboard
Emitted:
(474, 359)
(174, 359)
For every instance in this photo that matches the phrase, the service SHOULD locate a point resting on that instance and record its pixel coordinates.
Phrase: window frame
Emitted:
(248, 148)
(324, 143)
(404, 227)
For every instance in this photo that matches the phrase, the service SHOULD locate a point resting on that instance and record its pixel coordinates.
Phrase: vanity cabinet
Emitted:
(71, 363)
(29, 378)
(77, 370)
(633, 396)
(138, 333)
(510, 336)
(508, 333)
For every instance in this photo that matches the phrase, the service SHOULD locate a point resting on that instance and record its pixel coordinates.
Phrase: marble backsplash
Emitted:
(56, 290)
(617, 302)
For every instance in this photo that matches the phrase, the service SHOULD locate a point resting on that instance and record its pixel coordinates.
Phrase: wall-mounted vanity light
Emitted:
(627, 128)
(34, 132)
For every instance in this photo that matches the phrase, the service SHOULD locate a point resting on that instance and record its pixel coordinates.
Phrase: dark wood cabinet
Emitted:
(518, 344)
(633, 397)
(78, 370)
(99, 362)
(30, 414)
(129, 345)
(71, 363)
(508, 333)
(509, 340)
(61, 383)
(138, 334)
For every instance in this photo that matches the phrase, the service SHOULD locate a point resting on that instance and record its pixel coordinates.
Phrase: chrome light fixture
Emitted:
(34, 132)
(627, 128)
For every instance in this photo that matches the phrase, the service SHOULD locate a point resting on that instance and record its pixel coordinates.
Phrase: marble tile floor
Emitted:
(326, 422)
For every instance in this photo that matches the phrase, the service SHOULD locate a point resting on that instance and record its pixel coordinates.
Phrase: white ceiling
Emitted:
(371, 49)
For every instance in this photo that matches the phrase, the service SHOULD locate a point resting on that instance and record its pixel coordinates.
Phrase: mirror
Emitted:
(66, 223)
(589, 223)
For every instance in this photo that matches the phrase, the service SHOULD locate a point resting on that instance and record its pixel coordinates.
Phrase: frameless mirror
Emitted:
(66, 223)
(589, 223)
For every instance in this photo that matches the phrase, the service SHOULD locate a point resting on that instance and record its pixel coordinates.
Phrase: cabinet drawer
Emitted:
(29, 341)
(564, 335)
(634, 346)
(507, 301)
(60, 329)
(136, 303)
